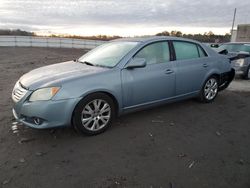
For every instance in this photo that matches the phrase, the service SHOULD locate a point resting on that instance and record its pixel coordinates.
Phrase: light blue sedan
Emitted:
(119, 77)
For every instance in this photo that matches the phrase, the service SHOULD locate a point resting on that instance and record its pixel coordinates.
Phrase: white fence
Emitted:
(31, 41)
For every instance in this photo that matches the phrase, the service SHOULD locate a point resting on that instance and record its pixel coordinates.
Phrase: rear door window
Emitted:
(202, 53)
(186, 50)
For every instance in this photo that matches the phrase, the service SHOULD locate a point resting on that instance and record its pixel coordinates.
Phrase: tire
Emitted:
(94, 114)
(209, 90)
(246, 76)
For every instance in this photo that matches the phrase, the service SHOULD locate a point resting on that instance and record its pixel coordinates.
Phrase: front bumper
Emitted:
(240, 66)
(240, 69)
(49, 113)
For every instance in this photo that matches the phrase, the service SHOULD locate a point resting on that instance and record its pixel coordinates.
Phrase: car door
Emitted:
(152, 83)
(192, 66)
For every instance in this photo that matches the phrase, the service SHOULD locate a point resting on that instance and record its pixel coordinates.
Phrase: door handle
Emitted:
(169, 71)
(205, 65)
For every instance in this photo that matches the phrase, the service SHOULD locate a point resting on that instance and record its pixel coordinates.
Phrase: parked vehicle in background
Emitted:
(241, 52)
(213, 45)
(119, 77)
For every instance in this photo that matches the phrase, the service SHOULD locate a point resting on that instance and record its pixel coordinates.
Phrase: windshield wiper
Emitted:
(86, 62)
(104, 66)
(91, 64)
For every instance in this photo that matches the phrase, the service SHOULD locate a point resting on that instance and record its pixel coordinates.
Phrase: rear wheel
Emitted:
(209, 90)
(94, 114)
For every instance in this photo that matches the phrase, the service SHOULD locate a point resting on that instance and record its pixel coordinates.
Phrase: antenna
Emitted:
(233, 23)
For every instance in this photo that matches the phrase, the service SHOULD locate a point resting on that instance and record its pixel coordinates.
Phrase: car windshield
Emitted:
(108, 55)
(235, 47)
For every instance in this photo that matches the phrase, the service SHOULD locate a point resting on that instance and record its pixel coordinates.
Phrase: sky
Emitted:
(122, 17)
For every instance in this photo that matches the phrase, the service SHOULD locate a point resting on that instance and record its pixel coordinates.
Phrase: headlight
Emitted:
(44, 94)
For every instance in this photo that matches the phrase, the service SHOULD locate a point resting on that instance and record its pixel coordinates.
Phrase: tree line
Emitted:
(208, 37)
(96, 37)
(17, 32)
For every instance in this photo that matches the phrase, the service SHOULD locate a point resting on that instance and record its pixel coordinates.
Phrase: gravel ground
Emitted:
(185, 144)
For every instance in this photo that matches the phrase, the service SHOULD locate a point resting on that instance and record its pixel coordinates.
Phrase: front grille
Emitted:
(18, 92)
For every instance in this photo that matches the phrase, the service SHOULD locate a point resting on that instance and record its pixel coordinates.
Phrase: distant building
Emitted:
(242, 34)
(234, 35)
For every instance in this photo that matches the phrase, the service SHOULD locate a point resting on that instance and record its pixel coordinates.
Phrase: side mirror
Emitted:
(136, 63)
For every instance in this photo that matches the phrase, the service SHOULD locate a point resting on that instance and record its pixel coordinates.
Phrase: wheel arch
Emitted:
(201, 97)
(215, 73)
(114, 99)
(112, 96)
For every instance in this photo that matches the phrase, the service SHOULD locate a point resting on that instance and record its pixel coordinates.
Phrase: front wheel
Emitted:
(94, 114)
(209, 90)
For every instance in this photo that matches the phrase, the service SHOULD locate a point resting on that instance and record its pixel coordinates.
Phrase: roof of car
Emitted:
(153, 38)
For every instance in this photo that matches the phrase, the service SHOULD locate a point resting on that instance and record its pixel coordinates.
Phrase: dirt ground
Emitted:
(180, 145)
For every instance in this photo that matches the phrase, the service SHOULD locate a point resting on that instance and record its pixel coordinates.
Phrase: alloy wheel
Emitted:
(96, 115)
(211, 89)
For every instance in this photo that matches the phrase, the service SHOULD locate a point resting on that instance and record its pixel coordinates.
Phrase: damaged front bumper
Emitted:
(240, 66)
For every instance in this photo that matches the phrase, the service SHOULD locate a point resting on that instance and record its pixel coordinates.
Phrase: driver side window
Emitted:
(155, 53)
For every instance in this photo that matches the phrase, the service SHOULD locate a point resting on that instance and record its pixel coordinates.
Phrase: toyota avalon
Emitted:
(120, 76)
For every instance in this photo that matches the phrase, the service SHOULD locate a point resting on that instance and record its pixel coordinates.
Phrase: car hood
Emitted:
(56, 74)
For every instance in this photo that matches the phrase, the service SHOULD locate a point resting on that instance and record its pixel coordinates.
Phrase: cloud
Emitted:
(37, 14)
